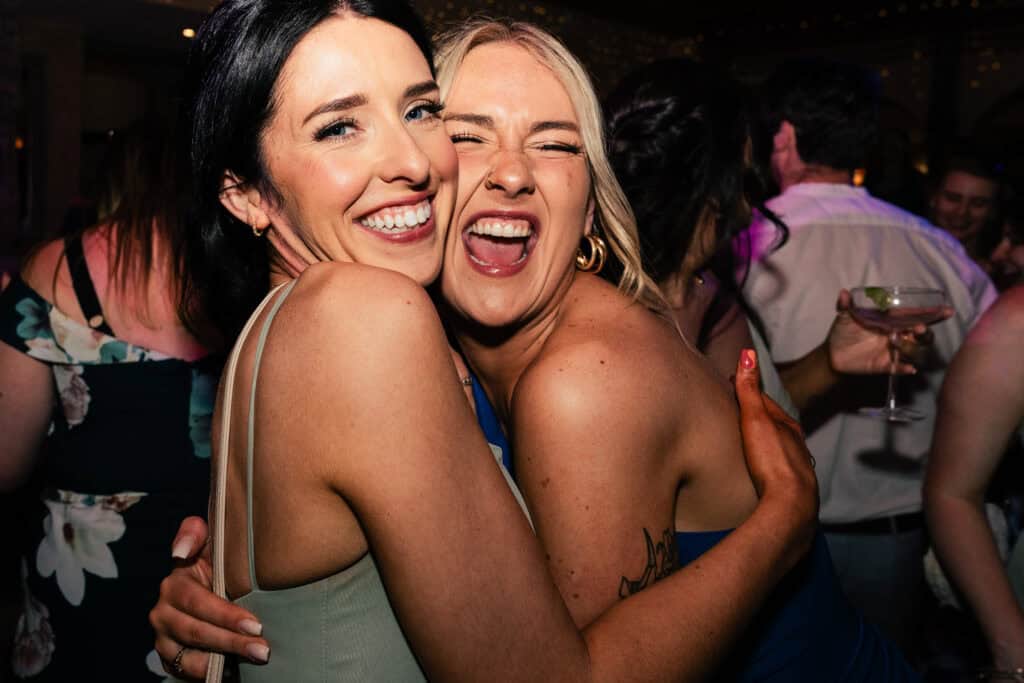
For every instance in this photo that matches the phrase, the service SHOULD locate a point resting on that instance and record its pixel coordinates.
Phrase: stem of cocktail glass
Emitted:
(894, 356)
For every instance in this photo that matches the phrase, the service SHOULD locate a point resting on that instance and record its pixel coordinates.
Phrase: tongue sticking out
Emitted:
(496, 251)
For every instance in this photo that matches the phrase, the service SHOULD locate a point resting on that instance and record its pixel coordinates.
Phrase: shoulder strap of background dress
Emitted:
(215, 669)
(84, 288)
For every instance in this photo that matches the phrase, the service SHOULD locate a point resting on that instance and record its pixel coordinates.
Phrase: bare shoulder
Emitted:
(328, 289)
(610, 359)
(1009, 309)
(41, 267)
(1003, 322)
(366, 325)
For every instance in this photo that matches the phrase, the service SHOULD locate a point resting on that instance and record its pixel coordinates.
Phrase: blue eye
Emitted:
(338, 129)
(424, 111)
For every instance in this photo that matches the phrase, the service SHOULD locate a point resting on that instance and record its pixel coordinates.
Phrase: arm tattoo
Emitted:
(662, 560)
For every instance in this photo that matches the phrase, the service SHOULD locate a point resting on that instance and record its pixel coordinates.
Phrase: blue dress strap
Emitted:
(491, 426)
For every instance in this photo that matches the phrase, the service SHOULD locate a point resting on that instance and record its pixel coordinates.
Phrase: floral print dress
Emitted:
(126, 459)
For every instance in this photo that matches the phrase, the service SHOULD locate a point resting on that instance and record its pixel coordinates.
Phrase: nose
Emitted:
(403, 160)
(510, 174)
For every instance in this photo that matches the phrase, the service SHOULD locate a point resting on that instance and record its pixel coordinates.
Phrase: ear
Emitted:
(243, 201)
(588, 222)
(785, 137)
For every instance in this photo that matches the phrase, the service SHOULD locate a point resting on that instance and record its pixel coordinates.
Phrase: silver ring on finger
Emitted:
(176, 663)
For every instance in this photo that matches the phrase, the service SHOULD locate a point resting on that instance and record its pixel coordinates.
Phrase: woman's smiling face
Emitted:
(356, 151)
(524, 198)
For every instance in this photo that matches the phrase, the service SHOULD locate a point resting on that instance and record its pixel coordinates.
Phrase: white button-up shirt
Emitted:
(841, 236)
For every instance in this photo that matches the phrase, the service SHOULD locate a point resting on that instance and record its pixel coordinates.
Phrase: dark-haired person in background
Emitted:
(966, 203)
(820, 118)
(104, 390)
(679, 140)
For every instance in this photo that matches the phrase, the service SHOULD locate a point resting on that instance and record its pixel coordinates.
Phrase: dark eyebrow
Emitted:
(420, 89)
(340, 104)
(352, 101)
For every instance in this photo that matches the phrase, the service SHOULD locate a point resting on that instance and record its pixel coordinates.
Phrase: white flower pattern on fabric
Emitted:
(45, 349)
(73, 391)
(78, 530)
(80, 342)
(33, 636)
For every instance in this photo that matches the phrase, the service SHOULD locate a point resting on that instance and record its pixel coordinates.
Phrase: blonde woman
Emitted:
(404, 483)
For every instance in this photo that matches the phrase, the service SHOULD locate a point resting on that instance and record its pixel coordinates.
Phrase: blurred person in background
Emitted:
(966, 202)
(108, 398)
(1007, 259)
(981, 411)
(680, 144)
(820, 117)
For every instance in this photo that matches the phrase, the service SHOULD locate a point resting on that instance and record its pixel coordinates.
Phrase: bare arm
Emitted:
(26, 399)
(849, 348)
(445, 590)
(981, 404)
(593, 457)
(26, 403)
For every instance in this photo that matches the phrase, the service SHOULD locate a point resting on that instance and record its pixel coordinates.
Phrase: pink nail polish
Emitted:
(748, 359)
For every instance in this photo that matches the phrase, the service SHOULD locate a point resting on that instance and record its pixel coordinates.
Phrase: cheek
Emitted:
(334, 185)
(439, 148)
(571, 191)
(470, 171)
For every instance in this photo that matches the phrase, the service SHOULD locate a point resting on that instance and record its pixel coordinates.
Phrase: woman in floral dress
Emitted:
(108, 397)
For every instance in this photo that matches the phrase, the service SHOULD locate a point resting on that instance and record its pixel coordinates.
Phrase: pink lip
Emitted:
(420, 233)
(495, 270)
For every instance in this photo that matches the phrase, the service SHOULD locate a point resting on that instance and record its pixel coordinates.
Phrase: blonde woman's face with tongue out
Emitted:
(524, 188)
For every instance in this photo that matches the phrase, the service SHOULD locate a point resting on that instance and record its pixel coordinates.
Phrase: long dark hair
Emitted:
(680, 137)
(231, 79)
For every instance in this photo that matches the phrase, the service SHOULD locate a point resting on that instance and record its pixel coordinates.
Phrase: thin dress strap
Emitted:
(250, 445)
(215, 668)
(85, 291)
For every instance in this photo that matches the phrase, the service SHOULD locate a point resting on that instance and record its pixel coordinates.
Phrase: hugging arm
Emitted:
(980, 407)
(439, 554)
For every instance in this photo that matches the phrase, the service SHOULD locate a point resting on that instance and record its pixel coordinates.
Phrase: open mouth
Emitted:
(401, 222)
(499, 244)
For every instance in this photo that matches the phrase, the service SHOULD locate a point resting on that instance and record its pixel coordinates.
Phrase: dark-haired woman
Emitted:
(109, 396)
(680, 142)
(378, 539)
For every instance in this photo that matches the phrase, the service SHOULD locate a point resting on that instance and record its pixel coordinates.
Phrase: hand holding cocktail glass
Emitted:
(897, 310)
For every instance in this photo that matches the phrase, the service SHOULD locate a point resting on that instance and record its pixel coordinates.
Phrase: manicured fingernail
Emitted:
(748, 359)
(250, 626)
(258, 653)
(182, 548)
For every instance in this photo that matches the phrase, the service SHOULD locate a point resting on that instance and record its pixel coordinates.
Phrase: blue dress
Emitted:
(806, 631)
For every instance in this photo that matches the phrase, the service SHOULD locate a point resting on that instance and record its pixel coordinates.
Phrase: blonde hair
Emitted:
(612, 211)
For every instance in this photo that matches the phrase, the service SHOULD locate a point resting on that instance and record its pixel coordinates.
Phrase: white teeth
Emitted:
(393, 219)
(493, 228)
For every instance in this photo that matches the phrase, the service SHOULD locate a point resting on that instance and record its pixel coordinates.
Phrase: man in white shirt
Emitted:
(821, 117)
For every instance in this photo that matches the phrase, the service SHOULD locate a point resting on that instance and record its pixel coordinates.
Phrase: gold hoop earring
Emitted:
(592, 262)
(256, 231)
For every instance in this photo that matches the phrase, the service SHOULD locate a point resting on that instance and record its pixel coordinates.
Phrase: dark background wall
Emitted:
(72, 71)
